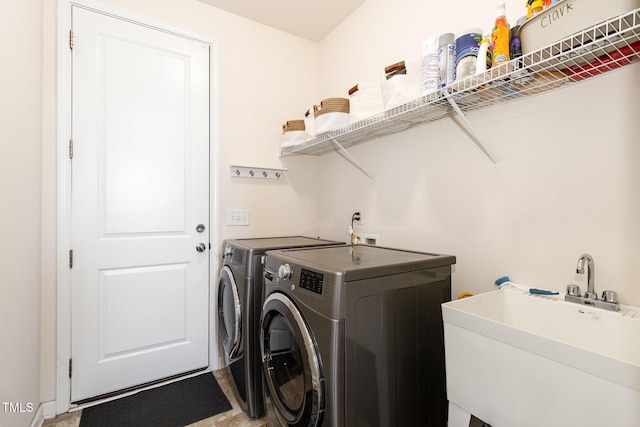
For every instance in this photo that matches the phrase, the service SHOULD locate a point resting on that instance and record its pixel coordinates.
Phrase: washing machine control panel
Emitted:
(284, 271)
(311, 281)
(305, 282)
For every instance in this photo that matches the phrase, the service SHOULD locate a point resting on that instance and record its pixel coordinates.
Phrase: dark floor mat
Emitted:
(173, 405)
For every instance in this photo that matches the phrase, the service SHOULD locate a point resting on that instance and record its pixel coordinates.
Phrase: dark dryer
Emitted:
(353, 336)
(240, 297)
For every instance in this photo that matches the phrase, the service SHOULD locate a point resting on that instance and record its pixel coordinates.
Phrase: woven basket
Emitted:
(293, 125)
(293, 133)
(331, 105)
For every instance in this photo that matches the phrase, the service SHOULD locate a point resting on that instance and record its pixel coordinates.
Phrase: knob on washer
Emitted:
(284, 271)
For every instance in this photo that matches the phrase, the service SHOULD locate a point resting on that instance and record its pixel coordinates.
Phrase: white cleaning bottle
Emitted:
(481, 62)
(430, 65)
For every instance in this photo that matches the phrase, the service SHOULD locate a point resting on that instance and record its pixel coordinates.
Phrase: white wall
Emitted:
(568, 176)
(20, 194)
(49, 245)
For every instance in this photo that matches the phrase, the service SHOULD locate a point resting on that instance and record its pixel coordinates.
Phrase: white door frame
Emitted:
(63, 311)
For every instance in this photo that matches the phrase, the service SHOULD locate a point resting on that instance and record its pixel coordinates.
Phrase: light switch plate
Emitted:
(237, 216)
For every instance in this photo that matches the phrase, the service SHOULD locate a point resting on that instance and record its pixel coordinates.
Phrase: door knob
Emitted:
(201, 247)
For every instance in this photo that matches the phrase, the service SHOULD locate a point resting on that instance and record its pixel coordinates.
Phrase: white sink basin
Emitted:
(515, 359)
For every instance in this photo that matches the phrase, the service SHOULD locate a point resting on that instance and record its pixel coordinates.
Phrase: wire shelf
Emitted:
(597, 50)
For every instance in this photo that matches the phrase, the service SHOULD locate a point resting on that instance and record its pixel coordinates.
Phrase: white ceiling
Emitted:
(312, 20)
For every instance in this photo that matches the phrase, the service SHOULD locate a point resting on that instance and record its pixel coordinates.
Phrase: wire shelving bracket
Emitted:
(476, 139)
(352, 159)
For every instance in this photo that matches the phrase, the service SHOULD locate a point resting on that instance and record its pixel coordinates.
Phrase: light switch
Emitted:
(237, 216)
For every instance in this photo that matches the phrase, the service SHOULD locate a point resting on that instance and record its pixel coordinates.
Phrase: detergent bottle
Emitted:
(500, 37)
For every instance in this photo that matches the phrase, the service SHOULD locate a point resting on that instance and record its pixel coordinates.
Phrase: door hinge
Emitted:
(70, 39)
(71, 148)
(70, 367)
(71, 258)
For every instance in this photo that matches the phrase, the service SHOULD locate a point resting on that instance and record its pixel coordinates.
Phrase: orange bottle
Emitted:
(534, 7)
(500, 37)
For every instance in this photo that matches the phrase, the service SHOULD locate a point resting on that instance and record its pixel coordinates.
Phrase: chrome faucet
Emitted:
(609, 299)
(591, 292)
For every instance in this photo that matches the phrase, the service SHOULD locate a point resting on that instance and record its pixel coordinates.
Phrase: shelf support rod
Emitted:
(469, 128)
(351, 159)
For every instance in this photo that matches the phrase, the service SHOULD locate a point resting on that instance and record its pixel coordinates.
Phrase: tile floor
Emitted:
(233, 418)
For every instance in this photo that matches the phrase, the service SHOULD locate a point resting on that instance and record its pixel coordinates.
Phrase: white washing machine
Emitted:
(240, 297)
(353, 336)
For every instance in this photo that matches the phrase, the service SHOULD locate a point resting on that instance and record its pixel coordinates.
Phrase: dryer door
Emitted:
(229, 314)
(291, 363)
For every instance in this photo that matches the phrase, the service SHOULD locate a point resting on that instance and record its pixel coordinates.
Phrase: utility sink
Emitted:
(517, 359)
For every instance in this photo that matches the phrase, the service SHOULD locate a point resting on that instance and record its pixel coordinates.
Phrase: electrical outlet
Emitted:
(237, 216)
(369, 239)
(361, 220)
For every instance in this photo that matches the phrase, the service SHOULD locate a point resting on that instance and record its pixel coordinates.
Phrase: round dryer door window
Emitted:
(291, 363)
(229, 314)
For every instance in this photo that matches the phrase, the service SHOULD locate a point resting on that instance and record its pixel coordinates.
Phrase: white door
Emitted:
(140, 189)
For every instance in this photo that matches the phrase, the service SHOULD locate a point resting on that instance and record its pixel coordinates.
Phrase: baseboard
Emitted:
(45, 411)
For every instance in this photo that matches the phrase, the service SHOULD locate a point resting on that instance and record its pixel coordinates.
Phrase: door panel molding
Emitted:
(64, 112)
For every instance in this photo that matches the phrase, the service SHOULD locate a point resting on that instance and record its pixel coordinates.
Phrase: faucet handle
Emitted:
(609, 296)
(573, 290)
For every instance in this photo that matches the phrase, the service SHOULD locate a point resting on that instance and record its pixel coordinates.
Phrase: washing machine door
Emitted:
(291, 363)
(229, 314)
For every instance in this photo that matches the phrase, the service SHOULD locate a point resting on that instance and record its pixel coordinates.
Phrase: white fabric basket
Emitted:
(365, 102)
(331, 121)
(293, 138)
(403, 88)
(310, 123)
